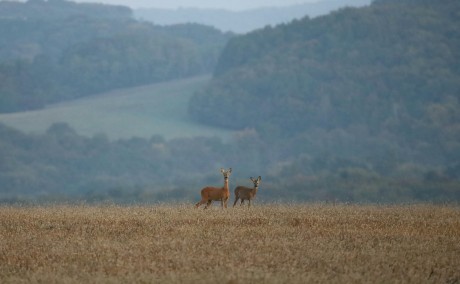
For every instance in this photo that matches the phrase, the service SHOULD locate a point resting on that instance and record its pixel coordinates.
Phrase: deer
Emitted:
(247, 193)
(210, 193)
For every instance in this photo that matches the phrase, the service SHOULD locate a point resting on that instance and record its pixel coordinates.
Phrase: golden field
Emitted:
(310, 243)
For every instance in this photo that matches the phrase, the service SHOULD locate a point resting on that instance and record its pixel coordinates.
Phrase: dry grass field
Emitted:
(311, 243)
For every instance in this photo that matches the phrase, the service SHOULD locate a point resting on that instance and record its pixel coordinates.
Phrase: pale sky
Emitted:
(220, 4)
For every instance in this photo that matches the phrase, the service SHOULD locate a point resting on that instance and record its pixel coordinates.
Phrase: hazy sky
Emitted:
(222, 4)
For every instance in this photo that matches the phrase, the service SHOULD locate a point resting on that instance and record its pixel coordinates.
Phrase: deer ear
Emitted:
(230, 170)
(222, 170)
(251, 178)
(260, 178)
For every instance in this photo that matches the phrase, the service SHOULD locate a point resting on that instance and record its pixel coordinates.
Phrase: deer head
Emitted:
(226, 173)
(256, 182)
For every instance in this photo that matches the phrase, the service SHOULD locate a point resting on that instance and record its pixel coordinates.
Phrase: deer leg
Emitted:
(249, 202)
(207, 204)
(202, 201)
(225, 202)
(242, 202)
(236, 200)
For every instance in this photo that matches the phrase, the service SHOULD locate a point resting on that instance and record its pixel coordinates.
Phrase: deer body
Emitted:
(247, 193)
(210, 193)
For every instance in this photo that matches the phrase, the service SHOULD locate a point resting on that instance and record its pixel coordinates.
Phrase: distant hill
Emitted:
(379, 85)
(156, 109)
(360, 105)
(244, 21)
(59, 10)
(59, 50)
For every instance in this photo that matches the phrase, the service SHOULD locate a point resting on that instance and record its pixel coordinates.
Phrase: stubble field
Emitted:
(310, 243)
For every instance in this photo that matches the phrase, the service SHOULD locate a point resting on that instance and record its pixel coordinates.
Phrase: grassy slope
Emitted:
(265, 244)
(141, 111)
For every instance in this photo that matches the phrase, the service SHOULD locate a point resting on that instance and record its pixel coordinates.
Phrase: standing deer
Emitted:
(246, 193)
(210, 193)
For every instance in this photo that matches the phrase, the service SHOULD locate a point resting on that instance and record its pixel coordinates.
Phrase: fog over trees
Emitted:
(359, 105)
(59, 50)
(245, 20)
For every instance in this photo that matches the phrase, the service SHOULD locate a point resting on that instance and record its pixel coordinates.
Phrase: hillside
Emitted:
(243, 21)
(58, 50)
(159, 109)
(378, 85)
(361, 105)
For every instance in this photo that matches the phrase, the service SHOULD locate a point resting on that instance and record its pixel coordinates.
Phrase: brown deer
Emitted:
(210, 193)
(246, 193)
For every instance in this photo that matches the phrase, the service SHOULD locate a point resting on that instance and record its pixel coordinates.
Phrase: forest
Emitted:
(373, 93)
(62, 166)
(59, 50)
(361, 105)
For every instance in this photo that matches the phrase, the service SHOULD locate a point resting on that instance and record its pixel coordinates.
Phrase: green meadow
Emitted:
(156, 109)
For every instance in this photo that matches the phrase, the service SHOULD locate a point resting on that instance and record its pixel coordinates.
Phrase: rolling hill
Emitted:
(360, 105)
(363, 101)
(243, 21)
(376, 82)
(156, 109)
(54, 51)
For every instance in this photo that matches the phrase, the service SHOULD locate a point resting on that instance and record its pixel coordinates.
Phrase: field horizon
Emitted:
(142, 111)
(277, 243)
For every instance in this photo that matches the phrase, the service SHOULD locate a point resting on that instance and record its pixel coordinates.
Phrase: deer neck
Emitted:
(226, 184)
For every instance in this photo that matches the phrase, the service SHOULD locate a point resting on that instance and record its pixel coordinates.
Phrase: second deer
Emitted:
(247, 193)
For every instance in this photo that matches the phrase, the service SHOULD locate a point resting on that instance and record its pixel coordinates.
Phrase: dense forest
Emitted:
(361, 105)
(376, 87)
(59, 50)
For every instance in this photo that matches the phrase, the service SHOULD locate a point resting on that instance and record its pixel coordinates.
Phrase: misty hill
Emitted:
(127, 145)
(378, 85)
(243, 21)
(58, 50)
(359, 105)
(52, 10)
(159, 109)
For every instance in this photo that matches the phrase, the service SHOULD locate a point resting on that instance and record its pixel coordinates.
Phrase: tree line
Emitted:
(61, 165)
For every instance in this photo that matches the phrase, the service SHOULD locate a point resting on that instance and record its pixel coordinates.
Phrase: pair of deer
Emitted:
(222, 194)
